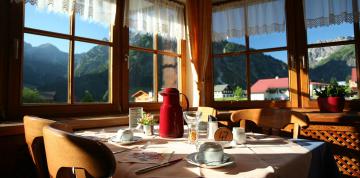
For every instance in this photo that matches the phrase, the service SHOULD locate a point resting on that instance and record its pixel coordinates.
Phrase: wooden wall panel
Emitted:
(3, 54)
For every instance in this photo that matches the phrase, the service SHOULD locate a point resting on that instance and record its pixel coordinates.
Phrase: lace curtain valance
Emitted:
(261, 16)
(328, 12)
(98, 11)
(156, 17)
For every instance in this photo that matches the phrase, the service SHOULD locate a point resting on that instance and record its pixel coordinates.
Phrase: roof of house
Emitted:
(353, 75)
(262, 85)
(139, 93)
(220, 87)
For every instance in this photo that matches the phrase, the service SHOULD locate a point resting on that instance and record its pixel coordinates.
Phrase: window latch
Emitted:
(303, 62)
(126, 59)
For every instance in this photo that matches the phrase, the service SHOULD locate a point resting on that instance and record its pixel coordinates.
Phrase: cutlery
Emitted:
(150, 168)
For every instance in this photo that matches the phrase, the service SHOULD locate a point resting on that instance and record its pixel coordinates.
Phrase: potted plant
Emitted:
(331, 98)
(148, 122)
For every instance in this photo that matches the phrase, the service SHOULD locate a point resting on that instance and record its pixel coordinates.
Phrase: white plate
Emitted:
(227, 160)
(118, 141)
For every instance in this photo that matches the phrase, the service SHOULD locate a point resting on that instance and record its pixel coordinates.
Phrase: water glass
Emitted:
(192, 119)
(239, 135)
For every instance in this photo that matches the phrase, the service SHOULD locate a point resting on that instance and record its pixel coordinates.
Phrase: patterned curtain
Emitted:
(98, 11)
(328, 12)
(155, 17)
(261, 16)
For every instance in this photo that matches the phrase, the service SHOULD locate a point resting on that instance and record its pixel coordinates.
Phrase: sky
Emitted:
(60, 23)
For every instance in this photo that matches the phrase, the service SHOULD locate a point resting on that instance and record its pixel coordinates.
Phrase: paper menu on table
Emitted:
(146, 157)
(135, 114)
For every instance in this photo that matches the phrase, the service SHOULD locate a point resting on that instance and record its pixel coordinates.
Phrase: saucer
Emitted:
(227, 160)
(135, 139)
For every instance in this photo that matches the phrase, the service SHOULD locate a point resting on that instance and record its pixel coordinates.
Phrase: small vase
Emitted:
(148, 130)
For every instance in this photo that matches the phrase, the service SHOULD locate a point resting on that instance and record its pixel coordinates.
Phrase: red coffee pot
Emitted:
(171, 114)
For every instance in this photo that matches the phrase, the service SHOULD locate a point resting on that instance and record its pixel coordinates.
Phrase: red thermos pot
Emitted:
(171, 115)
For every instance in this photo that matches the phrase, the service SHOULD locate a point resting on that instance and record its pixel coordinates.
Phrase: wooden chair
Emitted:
(33, 127)
(275, 119)
(206, 111)
(70, 154)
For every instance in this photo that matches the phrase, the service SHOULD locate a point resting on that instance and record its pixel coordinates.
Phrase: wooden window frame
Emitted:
(297, 49)
(306, 101)
(180, 55)
(247, 52)
(16, 109)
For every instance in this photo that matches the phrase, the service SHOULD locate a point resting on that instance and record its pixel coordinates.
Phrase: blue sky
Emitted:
(60, 23)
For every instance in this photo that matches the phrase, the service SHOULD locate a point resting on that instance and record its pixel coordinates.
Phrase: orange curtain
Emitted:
(199, 14)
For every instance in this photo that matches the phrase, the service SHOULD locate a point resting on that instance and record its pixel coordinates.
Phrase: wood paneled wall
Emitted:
(4, 49)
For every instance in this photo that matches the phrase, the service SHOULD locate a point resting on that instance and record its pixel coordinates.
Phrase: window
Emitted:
(331, 44)
(67, 52)
(250, 51)
(155, 50)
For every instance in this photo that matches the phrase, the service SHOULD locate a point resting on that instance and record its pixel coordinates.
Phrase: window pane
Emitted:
(269, 76)
(141, 76)
(91, 72)
(45, 69)
(167, 73)
(334, 62)
(45, 20)
(229, 46)
(141, 39)
(230, 78)
(331, 33)
(166, 44)
(328, 21)
(91, 29)
(271, 40)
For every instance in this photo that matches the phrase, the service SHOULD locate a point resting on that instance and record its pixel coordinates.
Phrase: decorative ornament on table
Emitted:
(223, 136)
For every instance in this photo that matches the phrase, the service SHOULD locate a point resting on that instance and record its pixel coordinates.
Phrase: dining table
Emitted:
(261, 156)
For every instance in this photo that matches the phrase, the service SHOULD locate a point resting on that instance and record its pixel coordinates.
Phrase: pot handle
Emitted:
(187, 101)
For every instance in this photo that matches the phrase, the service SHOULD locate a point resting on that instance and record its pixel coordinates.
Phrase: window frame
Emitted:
(297, 64)
(16, 109)
(306, 101)
(248, 52)
(180, 55)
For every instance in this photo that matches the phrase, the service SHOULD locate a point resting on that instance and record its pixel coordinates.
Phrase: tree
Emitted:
(87, 97)
(31, 96)
(238, 92)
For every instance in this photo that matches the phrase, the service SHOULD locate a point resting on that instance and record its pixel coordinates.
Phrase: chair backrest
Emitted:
(272, 118)
(66, 151)
(33, 127)
(206, 111)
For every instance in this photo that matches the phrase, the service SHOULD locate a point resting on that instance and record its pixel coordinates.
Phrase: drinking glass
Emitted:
(192, 119)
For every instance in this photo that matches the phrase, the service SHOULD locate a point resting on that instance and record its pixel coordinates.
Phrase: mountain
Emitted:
(316, 55)
(338, 62)
(46, 70)
(232, 70)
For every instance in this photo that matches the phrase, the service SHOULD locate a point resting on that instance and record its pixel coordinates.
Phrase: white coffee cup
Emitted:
(239, 135)
(125, 135)
(210, 152)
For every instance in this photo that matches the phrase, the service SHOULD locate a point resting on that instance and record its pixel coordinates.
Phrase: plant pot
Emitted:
(148, 130)
(331, 104)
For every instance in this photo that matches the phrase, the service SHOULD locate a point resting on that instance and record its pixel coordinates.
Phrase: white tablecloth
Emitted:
(267, 156)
